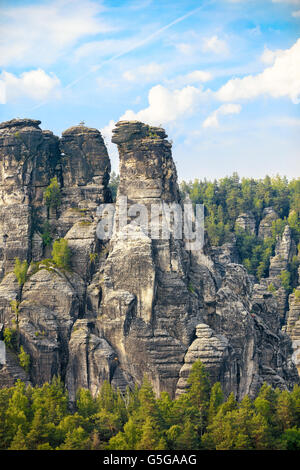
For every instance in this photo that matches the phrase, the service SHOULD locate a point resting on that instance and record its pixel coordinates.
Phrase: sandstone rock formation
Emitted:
(265, 226)
(247, 222)
(293, 323)
(134, 304)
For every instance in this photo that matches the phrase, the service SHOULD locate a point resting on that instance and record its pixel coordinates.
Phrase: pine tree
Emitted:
(18, 442)
(37, 434)
(18, 409)
(198, 393)
(285, 410)
(150, 435)
(76, 440)
(216, 399)
(188, 437)
(85, 403)
(96, 444)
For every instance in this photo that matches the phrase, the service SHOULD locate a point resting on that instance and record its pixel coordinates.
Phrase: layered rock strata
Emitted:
(135, 304)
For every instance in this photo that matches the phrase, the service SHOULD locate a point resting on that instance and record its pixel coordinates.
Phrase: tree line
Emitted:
(39, 418)
(225, 199)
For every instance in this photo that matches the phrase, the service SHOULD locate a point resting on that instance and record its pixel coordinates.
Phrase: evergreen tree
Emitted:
(188, 437)
(61, 254)
(85, 403)
(150, 435)
(198, 393)
(216, 399)
(18, 442)
(76, 440)
(52, 195)
(18, 409)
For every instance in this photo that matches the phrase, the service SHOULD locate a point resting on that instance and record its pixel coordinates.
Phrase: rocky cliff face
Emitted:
(292, 326)
(132, 305)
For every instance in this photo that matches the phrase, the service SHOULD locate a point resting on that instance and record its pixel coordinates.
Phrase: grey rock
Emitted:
(247, 222)
(91, 359)
(134, 305)
(265, 226)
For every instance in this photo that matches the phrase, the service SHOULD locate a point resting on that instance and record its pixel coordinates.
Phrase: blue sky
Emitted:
(222, 77)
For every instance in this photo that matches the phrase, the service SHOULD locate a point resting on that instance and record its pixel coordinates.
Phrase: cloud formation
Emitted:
(167, 105)
(35, 84)
(282, 79)
(215, 45)
(40, 33)
(213, 119)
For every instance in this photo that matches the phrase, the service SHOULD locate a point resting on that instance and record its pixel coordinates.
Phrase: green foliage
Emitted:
(15, 309)
(24, 359)
(113, 184)
(38, 418)
(297, 295)
(11, 338)
(52, 194)
(85, 403)
(191, 288)
(285, 278)
(84, 223)
(93, 257)
(20, 271)
(271, 288)
(224, 200)
(46, 234)
(61, 254)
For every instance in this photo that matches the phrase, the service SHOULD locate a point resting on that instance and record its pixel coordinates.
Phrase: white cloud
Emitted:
(185, 48)
(35, 84)
(147, 72)
(193, 43)
(40, 33)
(213, 119)
(282, 79)
(268, 57)
(296, 14)
(215, 45)
(111, 148)
(198, 76)
(193, 78)
(166, 105)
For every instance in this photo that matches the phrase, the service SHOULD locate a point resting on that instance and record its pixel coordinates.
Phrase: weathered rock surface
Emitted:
(265, 226)
(247, 222)
(29, 157)
(293, 323)
(91, 359)
(148, 316)
(214, 352)
(284, 251)
(51, 303)
(134, 304)
(12, 371)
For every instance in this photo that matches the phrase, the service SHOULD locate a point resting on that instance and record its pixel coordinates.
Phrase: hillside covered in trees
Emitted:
(226, 199)
(38, 418)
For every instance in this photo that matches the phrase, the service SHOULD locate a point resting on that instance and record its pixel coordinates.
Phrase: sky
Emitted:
(221, 76)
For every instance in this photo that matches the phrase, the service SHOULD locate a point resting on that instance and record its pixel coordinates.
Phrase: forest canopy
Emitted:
(38, 418)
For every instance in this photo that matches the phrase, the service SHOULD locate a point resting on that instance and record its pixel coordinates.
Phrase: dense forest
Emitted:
(38, 418)
(225, 199)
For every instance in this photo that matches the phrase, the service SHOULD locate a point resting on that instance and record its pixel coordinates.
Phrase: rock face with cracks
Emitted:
(134, 304)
